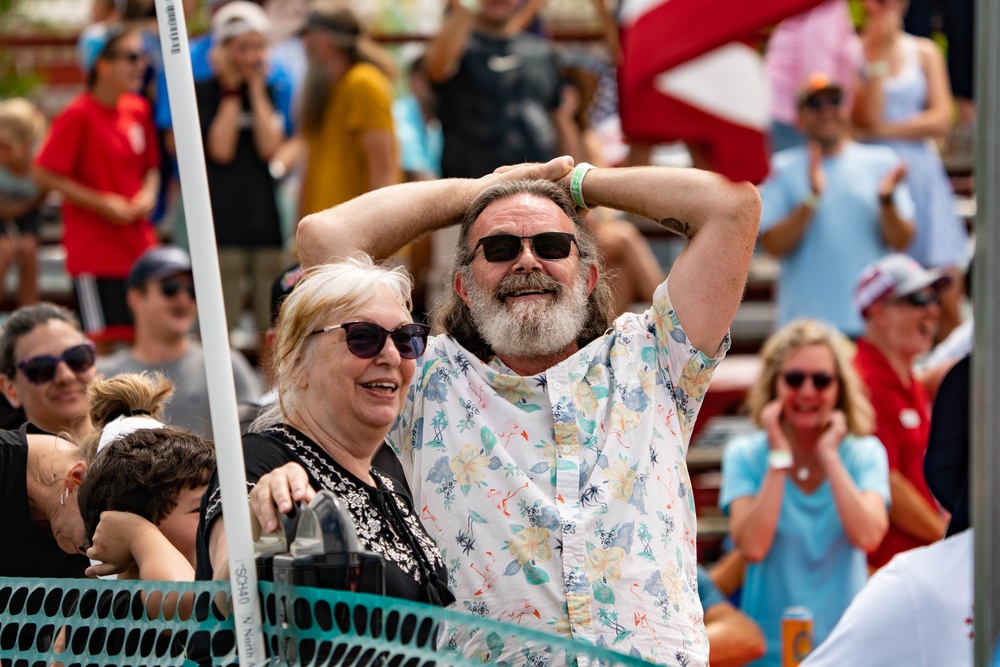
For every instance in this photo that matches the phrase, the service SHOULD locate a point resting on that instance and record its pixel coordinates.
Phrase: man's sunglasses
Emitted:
(920, 299)
(366, 339)
(42, 369)
(817, 102)
(171, 288)
(795, 379)
(132, 57)
(507, 247)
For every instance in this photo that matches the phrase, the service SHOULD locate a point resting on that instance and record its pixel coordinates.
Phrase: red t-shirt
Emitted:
(903, 424)
(108, 150)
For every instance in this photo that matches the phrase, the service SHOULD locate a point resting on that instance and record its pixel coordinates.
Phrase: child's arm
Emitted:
(124, 541)
(16, 210)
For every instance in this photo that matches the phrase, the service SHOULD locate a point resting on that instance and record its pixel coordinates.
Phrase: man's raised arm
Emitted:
(719, 218)
(383, 221)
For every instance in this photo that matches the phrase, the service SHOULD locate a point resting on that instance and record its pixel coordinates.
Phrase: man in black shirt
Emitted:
(498, 90)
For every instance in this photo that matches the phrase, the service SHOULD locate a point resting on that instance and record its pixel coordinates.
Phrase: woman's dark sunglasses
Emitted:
(131, 56)
(366, 339)
(171, 288)
(795, 379)
(507, 247)
(42, 369)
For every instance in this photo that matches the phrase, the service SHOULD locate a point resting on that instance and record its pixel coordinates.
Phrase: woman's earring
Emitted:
(64, 496)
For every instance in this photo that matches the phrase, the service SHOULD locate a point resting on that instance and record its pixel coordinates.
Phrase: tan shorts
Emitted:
(253, 270)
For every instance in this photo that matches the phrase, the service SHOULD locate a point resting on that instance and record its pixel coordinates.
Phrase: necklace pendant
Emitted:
(802, 473)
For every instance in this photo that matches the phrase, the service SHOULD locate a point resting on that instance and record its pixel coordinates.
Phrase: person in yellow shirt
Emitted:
(346, 112)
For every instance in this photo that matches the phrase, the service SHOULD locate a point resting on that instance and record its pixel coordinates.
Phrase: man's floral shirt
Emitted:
(561, 501)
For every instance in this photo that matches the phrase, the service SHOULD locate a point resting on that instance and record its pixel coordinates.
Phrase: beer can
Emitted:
(796, 635)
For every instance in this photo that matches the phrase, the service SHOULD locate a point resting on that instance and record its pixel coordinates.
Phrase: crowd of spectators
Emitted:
(526, 461)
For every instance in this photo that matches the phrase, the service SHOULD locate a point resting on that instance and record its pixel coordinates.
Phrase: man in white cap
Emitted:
(899, 301)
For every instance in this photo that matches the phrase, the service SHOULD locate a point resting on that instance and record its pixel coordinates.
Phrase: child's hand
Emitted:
(113, 542)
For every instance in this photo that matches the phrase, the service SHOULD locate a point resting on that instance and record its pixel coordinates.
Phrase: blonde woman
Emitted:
(345, 354)
(806, 494)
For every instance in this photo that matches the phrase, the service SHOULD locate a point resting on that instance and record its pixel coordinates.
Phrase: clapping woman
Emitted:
(807, 493)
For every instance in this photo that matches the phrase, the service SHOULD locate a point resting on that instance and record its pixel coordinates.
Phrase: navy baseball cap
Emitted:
(282, 287)
(157, 263)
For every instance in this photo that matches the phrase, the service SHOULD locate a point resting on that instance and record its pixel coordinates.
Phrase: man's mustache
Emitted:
(527, 281)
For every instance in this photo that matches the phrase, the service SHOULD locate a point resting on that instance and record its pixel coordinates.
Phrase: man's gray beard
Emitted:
(315, 93)
(532, 328)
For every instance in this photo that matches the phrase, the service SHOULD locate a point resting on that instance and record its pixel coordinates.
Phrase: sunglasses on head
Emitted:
(366, 339)
(171, 288)
(507, 247)
(132, 57)
(795, 379)
(42, 369)
(920, 299)
(817, 102)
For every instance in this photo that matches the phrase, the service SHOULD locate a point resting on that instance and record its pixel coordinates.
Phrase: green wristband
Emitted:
(576, 183)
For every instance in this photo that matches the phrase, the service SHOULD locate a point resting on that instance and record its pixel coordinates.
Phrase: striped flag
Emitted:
(687, 74)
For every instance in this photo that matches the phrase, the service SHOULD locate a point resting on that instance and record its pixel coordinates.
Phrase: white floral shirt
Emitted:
(561, 501)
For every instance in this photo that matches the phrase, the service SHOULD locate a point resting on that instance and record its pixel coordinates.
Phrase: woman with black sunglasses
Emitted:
(47, 364)
(806, 494)
(345, 354)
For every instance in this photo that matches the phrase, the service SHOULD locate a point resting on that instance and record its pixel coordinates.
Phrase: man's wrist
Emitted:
(885, 199)
(576, 183)
(811, 201)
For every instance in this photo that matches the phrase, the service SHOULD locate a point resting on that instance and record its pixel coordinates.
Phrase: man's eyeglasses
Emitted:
(171, 288)
(42, 369)
(795, 379)
(817, 102)
(920, 299)
(366, 339)
(507, 247)
(132, 57)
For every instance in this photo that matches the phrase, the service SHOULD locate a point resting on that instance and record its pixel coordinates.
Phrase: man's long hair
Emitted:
(452, 315)
(347, 34)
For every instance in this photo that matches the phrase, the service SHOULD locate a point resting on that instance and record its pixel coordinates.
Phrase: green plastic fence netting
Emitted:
(82, 623)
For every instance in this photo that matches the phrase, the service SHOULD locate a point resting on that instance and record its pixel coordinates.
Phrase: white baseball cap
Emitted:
(894, 276)
(238, 18)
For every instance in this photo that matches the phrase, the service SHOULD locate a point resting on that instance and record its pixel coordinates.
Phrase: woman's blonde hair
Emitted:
(323, 293)
(852, 398)
(125, 394)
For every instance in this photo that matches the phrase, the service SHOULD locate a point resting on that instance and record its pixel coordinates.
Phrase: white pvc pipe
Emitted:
(214, 332)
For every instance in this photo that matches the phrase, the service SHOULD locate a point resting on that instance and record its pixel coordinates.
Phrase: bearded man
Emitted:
(544, 442)
(346, 111)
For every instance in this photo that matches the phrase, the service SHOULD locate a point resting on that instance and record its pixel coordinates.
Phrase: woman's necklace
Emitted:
(803, 473)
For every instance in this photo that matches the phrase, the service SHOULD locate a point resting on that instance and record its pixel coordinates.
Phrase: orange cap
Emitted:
(815, 83)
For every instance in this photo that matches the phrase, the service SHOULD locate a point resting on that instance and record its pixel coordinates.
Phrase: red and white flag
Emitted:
(686, 74)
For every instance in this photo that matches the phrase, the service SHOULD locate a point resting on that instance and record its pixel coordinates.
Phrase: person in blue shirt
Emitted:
(829, 209)
(279, 80)
(806, 494)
